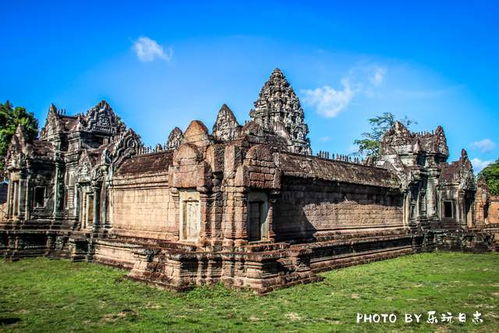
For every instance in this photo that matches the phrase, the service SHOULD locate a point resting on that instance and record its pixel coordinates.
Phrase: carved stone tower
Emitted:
(278, 109)
(226, 127)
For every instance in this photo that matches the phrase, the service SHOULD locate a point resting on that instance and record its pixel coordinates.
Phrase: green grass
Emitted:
(42, 295)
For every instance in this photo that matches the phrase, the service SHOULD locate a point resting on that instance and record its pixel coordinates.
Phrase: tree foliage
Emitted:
(491, 176)
(370, 143)
(10, 118)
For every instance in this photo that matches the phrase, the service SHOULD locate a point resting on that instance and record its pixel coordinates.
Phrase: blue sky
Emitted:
(162, 64)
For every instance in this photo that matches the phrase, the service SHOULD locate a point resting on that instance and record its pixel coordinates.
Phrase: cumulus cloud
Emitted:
(479, 164)
(484, 146)
(148, 50)
(329, 102)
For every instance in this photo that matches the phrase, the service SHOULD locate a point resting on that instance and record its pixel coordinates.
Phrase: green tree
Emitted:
(370, 143)
(491, 176)
(10, 117)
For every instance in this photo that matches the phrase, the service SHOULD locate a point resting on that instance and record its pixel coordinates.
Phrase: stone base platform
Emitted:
(262, 266)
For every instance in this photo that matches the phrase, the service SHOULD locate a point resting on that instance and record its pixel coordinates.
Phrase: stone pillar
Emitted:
(58, 189)
(23, 186)
(460, 208)
(216, 215)
(270, 214)
(96, 206)
(9, 199)
(228, 217)
(430, 198)
(16, 199)
(204, 223)
(240, 218)
(103, 206)
(76, 203)
(175, 195)
(28, 199)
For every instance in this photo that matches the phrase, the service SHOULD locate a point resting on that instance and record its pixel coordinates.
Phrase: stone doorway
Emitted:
(258, 226)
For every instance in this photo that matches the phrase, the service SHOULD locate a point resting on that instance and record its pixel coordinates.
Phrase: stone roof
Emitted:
(459, 172)
(302, 166)
(415, 142)
(42, 148)
(69, 122)
(449, 172)
(147, 163)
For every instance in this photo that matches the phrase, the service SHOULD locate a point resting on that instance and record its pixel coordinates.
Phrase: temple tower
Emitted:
(278, 110)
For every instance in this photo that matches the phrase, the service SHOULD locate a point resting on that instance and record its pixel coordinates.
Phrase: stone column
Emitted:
(56, 191)
(22, 197)
(96, 206)
(204, 223)
(228, 217)
(28, 202)
(460, 209)
(240, 218)
(273, 197)
(175, 195)
(430, 198)
(9, 199)
(103, 206)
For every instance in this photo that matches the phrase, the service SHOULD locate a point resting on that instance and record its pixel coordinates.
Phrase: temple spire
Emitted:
(277, 107)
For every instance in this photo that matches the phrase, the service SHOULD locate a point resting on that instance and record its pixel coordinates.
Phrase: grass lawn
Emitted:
(42, 295)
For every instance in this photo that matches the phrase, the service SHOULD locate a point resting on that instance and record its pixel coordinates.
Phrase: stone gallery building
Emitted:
(246, 205)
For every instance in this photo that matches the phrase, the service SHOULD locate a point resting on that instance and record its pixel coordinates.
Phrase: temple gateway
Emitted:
(246, 205)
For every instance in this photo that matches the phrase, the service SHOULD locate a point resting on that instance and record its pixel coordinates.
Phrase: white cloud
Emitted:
(484, 146)
(378, 76)
(478, 164)
(325, 139)
(148, 49)
(328, 101)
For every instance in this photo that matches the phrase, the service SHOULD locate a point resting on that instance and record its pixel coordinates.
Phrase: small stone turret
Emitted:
(174, 139)
(226, 127)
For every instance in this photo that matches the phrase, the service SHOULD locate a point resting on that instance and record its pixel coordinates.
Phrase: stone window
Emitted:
(448, 209)
(39, 197)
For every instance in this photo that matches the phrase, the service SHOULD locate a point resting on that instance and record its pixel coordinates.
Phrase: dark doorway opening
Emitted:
(448, 211)
(39, 197)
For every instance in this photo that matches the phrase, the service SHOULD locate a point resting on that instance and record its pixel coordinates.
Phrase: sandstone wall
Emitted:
(493, 216)
(142, 206)
(307, 209)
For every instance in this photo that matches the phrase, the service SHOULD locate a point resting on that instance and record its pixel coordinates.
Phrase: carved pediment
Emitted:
(124, 146)
(102, 119)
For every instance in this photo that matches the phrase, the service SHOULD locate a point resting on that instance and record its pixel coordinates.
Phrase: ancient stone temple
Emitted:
(246, 205)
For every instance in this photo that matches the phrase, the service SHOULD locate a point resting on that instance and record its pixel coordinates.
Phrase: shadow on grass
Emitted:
(9, 321)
